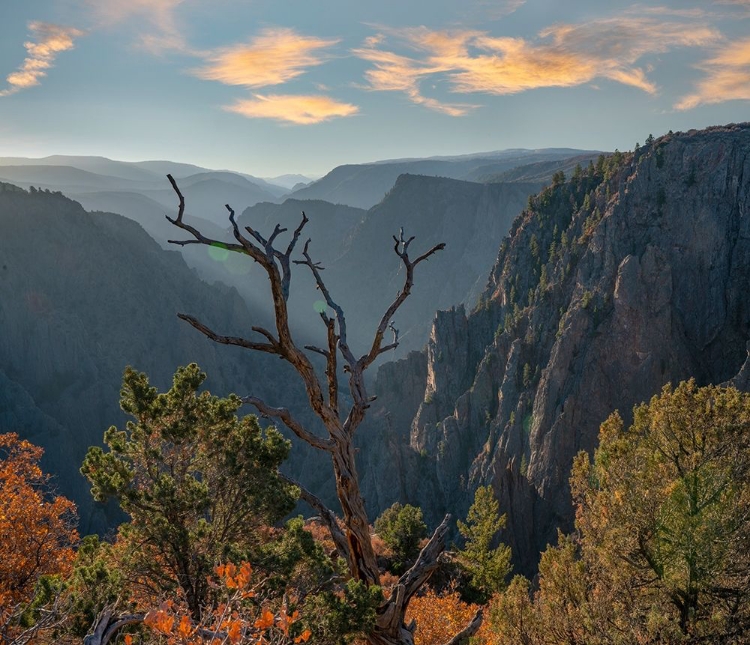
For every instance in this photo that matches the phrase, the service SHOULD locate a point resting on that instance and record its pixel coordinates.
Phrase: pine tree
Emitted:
(488, 566)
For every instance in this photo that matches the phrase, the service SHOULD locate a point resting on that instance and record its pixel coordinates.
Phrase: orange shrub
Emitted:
(439, 617)
(36, 528)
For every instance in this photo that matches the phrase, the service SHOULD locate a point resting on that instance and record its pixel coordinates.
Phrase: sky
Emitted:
(270, 87)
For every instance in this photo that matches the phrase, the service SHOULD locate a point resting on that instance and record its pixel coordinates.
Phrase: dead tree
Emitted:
(353, 542)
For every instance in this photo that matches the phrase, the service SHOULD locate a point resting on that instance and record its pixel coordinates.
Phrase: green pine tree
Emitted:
(488, 566)
(196, 480)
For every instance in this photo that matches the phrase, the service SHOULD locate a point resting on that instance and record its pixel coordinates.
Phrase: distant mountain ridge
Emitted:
(141, 171)
(364, 185)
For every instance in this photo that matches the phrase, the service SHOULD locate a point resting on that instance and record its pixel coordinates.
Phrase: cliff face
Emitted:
(470, 217)
(633, 274)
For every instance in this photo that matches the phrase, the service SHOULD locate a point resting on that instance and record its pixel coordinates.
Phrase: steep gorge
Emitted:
(82, 295)
(631, 275)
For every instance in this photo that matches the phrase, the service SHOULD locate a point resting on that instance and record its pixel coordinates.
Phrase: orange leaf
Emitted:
(303, 637)
(128, 639)
(265, 621)
(243, 577)
(235, 632)
(185, 627)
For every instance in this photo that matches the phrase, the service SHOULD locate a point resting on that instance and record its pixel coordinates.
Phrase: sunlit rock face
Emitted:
(624, 278)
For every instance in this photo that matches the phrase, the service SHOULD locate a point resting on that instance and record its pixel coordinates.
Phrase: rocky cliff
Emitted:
(632, 274)
(472, 218)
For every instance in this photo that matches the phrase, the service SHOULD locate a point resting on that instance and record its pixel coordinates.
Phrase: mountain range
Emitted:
(561, 300)
(351, 240)
(365, 185)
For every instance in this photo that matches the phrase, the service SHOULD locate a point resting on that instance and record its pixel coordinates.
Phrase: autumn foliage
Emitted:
(439, 616)
(659, 555)
(37, 528)
(238, 619)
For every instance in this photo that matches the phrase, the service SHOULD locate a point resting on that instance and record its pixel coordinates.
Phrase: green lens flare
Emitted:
(320, 306)
(218, 252)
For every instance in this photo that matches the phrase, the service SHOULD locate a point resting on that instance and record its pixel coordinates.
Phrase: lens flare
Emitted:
(218, 252)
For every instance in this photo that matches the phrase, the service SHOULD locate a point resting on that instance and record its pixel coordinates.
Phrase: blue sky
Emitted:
(276, 86)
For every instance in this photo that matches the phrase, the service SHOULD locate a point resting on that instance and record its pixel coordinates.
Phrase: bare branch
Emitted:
(315, 268)
(297, 233)
(331, 366)
(181, 210)
(249, 247)
(184, 242)
(199, 237)
(327, 515)
(104, 630)
(264, 332)
(402, 250)
(426, 255)
(283, 415)
(426, 562)
(395, 333)
(317, 350)
(276, 231)
(261, 240)
(270, 348)
(283, 258)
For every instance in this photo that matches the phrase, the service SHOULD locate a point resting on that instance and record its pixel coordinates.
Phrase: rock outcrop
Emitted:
(633, 274)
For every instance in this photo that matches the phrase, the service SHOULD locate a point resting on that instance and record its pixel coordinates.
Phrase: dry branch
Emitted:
(283, 415)
(328, 516)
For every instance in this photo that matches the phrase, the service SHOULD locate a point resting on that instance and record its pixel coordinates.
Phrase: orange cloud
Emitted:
(49, 41)
(395, 73)
(274, 57)
(727, 78)
(561, 56)
(301, 110)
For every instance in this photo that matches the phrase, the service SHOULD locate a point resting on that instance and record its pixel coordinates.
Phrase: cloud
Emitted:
(396, 73)
(727, 78)
(743, 7)
(496, 9)
(301, 110)
(48, 41)
(564, 55)
(158, 26)
(274, 57)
